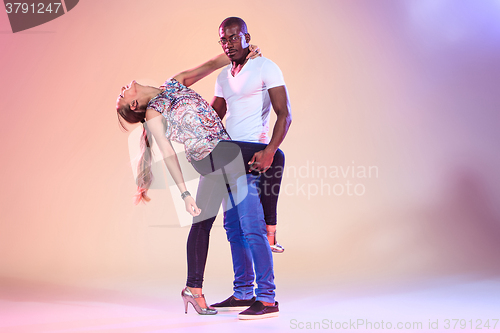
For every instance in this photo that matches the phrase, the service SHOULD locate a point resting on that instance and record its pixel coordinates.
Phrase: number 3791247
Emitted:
(33, 8)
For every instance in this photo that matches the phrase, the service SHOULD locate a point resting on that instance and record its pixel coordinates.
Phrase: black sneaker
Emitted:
(260, 311)
(233, 304)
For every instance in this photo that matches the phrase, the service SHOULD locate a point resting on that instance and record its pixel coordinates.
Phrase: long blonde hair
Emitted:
(144, 172)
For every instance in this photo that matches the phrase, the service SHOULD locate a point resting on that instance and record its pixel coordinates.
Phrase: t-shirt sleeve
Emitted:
(218, 89)
(272, 75)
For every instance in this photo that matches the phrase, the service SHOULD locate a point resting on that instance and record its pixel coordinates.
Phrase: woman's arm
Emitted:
(155, 125)
(193, 75)
(197, 73)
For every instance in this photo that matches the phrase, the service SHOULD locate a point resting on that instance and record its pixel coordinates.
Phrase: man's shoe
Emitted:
(233, 304)
(260, 311)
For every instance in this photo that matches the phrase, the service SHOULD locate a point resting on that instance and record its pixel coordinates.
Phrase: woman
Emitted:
(189, 119)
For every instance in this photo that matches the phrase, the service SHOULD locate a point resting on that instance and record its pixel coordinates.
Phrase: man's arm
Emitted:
(262, 160)
(281, 106)
(219, 105)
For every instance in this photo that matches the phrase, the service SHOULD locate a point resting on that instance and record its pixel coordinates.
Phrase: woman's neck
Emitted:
(150, 93)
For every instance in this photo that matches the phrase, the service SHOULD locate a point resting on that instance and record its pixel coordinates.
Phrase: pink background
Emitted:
(410, 87)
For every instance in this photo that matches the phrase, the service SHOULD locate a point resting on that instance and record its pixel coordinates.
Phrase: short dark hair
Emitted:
(234, 20)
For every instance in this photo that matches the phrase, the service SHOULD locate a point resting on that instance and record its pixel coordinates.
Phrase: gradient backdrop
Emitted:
(408, 88)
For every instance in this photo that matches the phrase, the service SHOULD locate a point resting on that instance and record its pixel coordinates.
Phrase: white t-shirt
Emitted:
(247, 98)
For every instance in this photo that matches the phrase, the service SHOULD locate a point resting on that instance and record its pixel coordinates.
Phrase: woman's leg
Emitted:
(208, 199)
(247, 235)
(269, 187)
(270, 181)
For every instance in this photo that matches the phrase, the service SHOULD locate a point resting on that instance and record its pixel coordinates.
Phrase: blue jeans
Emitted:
(225, 178)
(246, 233)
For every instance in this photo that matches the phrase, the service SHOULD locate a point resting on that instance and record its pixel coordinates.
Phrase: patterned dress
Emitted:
(190, 119)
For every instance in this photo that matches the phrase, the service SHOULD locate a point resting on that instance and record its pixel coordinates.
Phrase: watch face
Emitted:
(28, 14)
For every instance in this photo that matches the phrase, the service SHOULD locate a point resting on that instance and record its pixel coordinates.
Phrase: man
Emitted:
(245, 91)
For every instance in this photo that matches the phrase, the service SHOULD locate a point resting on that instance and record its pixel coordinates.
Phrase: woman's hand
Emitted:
(254, 52)
(191, 207)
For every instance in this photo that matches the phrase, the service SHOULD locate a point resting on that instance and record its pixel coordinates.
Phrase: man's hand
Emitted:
(261, 160)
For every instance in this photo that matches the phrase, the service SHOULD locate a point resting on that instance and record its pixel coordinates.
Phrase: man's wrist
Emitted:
(270, 149)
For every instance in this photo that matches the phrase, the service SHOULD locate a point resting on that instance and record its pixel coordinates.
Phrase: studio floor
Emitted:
(438, 305)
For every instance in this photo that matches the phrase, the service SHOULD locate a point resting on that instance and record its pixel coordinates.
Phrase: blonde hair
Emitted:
(144, 172)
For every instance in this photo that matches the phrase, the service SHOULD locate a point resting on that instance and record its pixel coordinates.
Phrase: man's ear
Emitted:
(247, 38)
(134, 105)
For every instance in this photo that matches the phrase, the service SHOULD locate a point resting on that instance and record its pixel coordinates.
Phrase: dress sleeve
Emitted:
(159, 104)
(272, 75)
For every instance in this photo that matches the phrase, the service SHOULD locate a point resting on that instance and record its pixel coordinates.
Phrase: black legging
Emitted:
(223, 154)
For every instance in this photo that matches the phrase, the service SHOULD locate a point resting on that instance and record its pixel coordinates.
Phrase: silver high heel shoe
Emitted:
(276, 247)
(189, 297)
